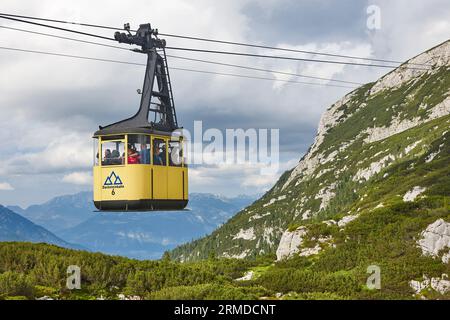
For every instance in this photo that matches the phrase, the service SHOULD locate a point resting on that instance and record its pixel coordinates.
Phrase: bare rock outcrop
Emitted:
(434, 238)
(290, 242)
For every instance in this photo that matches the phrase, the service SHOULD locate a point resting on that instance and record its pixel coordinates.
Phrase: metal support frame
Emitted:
(159, 115)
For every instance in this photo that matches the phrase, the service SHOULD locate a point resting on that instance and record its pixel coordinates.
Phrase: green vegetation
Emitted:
(210, 291)
(14, 285)
(384, 236)
(36, 270)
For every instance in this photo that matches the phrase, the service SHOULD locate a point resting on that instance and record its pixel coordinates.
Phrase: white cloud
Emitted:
(63, 153)
(323, 70)
(78, 178)
(5, 186)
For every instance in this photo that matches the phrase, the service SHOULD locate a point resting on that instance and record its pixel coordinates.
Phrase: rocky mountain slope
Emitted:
(381, 152)
(13, 227)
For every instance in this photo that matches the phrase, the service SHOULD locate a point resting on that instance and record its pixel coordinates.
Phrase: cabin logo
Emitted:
(113, 181)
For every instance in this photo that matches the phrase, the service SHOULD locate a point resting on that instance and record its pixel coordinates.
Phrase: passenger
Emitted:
(144, 154)
(163, 156)
(171, 156)
(107, 158)
(157, 159)
(133, 156)
(115, 157)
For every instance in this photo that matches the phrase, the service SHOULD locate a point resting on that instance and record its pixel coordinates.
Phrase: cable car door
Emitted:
(159, 170)
(113, 179)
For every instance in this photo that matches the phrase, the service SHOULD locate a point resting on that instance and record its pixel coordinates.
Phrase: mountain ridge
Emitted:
(395, 120)
(14, 227)
(60, 212)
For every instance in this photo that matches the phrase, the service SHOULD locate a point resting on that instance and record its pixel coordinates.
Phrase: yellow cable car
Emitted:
(139, 162)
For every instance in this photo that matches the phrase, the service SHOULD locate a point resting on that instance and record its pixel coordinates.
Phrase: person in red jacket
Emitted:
(133, 156)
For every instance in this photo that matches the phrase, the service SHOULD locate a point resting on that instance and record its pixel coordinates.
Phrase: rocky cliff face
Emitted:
(371, 149)
(435, 240)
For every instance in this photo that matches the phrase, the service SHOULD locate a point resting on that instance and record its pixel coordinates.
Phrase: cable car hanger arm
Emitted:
(156, 69)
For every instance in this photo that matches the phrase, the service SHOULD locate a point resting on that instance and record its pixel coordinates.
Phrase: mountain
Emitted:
(13, 227)
(136, 235)
(60, 212)
(380, 160)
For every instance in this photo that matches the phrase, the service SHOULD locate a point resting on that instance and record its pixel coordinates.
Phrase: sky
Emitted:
(50, 106)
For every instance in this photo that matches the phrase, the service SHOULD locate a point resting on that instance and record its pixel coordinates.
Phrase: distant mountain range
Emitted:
(132, 234)
(14, 227)
(147, 235)
(60, 212)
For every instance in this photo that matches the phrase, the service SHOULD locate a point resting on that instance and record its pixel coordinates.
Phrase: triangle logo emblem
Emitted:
(113, 177)
(108, 181)
(118, 181)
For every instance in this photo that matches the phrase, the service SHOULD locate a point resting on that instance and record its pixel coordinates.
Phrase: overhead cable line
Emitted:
(216, 51)
(65, 38)
(72, 56)
(260, 69)
(58, 28)
(262, 78)
(172, 68)
(185, 58)
(284, 49)
(287, 58)
(216, 40)
(61, 21)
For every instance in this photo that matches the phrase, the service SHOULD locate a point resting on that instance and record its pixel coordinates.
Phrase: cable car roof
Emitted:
(128, 130)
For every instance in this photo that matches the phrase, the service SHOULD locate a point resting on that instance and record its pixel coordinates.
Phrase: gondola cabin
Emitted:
(139, 162)
(139, 171)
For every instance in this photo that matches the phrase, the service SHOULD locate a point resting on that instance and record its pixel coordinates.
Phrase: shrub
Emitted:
(15, 284)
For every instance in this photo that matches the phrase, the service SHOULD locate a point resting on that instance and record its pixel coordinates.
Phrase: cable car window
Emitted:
(159, 152)
(138, 149)
(175, 154)
(113, 153)
(96, 154)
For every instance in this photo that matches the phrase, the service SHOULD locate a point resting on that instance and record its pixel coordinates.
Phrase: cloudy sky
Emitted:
(50, 106)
